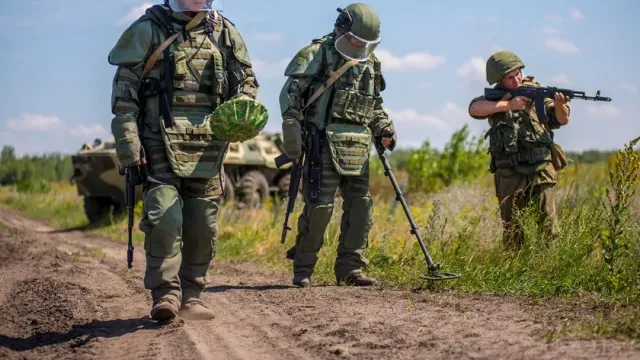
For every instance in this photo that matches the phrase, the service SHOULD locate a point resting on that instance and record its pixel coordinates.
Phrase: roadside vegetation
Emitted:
(595, 260)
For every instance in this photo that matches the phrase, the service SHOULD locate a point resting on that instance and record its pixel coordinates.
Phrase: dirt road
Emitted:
(66, 294)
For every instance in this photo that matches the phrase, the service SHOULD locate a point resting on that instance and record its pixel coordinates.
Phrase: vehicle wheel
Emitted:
(283, 187)
(229, 190)
(253, 190)
(96, 208)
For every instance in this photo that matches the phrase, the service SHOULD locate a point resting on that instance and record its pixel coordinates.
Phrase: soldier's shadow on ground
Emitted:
(72, 229)
(80, 335)
(223, 288)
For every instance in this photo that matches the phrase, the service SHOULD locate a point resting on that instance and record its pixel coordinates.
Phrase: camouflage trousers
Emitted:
(515, 192)
(180, 226)
(357, 217)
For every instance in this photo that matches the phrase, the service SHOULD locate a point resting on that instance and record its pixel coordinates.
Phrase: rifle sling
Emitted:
(335, 76)
(153, 59)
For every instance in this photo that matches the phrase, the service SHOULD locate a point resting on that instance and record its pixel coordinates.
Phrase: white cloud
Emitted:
(576, 14)
(412, 116)
(496, 48)
(630, 88)
(87, 130)
(473, 69)
(34, 123)
(264, 69)
(607, 111)
(414, 127)
(549, 30)
(448, 117)
(135, 13)
(415, 60)
(563, 46)
(269, 37)
(555, 18)
(560, 79)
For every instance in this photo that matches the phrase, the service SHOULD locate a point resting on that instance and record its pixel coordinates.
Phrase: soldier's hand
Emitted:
(559, 100)
(387, 138)
(138, 172)
(518, 103)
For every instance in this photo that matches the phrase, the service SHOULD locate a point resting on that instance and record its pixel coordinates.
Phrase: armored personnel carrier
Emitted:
(251, 176)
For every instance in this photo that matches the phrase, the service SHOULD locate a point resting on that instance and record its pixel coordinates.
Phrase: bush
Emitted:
(462, 160)
(33, 186)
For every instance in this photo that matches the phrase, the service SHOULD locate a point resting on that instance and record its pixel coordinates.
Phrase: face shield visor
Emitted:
(195, 5)
(353, 47)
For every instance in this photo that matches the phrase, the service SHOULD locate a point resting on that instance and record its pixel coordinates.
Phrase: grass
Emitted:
(462, 229)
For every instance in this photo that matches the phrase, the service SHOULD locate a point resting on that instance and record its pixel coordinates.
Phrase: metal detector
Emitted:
(434, 269)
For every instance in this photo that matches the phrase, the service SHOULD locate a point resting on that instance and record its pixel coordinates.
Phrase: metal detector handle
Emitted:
(399, 197)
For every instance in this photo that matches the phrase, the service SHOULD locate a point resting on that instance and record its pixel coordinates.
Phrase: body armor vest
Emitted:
(518, 138)
(190, 80)
(346, 110)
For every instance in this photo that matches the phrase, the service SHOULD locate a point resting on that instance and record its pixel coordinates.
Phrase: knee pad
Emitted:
(162, 221)
(315, 225)
(200, 230)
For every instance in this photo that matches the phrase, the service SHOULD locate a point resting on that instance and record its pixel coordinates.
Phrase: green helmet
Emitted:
(358, 30)
(500, 64)
(238, 120)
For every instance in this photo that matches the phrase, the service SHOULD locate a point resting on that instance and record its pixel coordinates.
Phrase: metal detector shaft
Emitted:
(399, 197)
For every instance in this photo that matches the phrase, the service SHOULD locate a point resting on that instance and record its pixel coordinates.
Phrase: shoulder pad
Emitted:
(134, 44)
(307, 61)
(237, 42)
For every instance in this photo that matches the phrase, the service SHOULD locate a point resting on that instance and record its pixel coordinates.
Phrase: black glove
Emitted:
(137, 172)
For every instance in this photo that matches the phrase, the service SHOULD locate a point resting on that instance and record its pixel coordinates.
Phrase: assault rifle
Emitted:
(134, 175)
(294, 185)
(538, 94)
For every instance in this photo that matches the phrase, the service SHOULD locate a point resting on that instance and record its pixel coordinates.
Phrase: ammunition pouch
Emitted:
(350, 145)
(353, 106)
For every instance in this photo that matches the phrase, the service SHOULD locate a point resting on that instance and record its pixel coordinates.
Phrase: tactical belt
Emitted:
(528, 156)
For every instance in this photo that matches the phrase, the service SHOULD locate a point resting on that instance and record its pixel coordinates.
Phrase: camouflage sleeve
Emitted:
(551, 114)
(290, 107)
(301, 72)
(129, 55)
(479, 98)
(381, 120)
(242, 79)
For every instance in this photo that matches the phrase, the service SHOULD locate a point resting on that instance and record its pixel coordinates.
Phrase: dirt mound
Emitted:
(11, 248)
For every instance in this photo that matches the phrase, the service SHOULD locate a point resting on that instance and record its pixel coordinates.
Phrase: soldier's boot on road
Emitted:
(357, 278)
(301, 279)
(165, 309)
(196, 309)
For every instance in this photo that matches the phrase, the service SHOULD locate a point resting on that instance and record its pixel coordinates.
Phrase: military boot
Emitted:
(196, 309)
(301, 279)
(357, 278)
(165, 309)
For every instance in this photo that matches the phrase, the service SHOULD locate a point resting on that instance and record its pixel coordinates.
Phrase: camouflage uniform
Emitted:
(344, 118)
(207, 65)
(521, 161)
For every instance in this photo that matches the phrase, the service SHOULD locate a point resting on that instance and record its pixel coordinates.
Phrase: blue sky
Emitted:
(56, 86)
